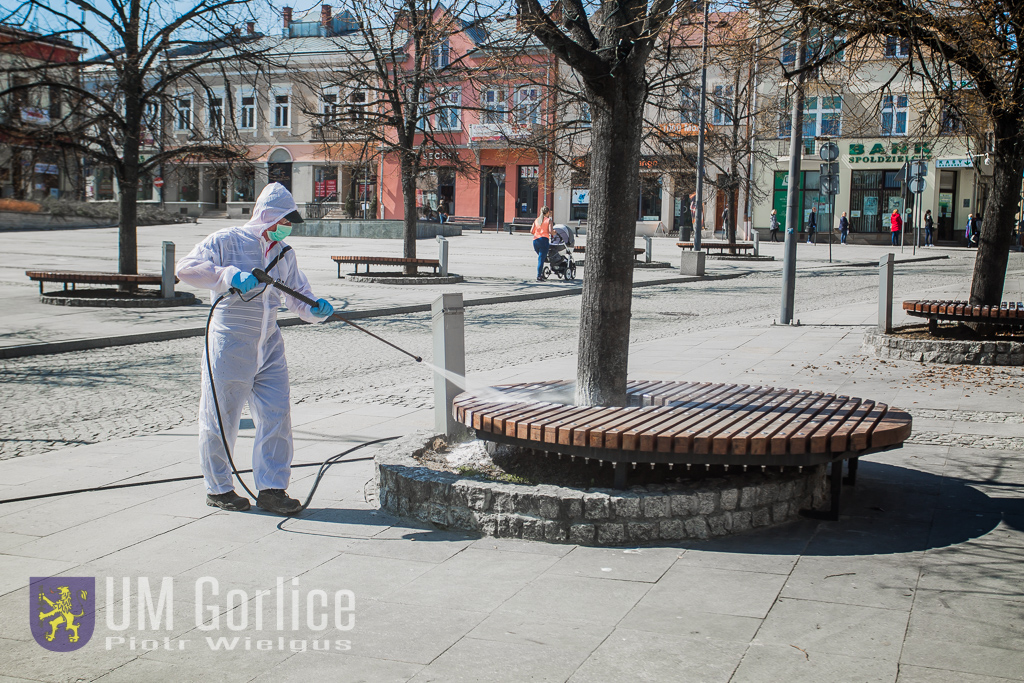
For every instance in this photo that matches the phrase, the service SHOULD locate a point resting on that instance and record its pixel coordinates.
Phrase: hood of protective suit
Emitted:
(273, 204)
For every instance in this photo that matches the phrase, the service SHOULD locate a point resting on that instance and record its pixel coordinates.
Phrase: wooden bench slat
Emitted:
(691, 408)
(800, 442)
(722, 442)
(644, 439)
(680, 438)
(860, 437)
(894, 427)
(821, 437)
(738, 412)
(741, 441)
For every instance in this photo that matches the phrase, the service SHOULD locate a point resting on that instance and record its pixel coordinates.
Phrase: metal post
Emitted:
(885, 268)
(757, 242)
(442, 254)
(698, 217)
(167, 271)
(448, 322)
(793, 189)
(650, 249)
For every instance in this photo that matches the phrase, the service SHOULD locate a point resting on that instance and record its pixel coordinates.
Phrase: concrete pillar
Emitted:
(448, 322)
(167, 272)
(650, 248)
(442, 254)
(757, 242)
(691, 263)
(885, 267)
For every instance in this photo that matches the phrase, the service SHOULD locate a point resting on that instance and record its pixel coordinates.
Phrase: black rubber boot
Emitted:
(228, 501)
(276, 500)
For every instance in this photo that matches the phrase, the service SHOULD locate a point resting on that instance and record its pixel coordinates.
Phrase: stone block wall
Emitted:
(943, 351)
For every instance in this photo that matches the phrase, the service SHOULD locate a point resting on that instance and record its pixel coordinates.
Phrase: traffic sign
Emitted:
(158, 182)
(918, 168)
(829, 169)
(829, 151)
(916, 184)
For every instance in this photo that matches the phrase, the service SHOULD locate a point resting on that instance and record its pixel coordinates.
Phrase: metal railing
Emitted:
(317, 210)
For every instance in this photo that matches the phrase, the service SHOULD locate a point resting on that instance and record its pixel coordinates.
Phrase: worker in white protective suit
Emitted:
(246, 351)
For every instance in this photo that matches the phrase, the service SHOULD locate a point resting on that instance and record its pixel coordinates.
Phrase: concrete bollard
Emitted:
(649, 255)
(757, 244)
(442, 254)
(167, 272)
(691, 263)
(448, 322)
(885, 267)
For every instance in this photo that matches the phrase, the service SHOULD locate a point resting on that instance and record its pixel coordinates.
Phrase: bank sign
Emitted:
(887, 154)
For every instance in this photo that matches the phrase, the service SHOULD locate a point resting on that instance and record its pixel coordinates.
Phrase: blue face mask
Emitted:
(281, 232)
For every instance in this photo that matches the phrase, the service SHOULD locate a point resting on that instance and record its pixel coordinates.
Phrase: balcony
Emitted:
(500, 132)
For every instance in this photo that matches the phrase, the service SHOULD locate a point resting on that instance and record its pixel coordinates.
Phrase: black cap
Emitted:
(294, 217)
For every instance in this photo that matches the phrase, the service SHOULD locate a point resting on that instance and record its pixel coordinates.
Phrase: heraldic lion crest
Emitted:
(63, 607)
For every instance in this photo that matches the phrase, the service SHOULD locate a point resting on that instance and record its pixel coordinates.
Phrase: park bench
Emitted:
(719, 245)
(1006, 313)
(582, 249)
(521, 223)
(693, 423)
(75, 277)
(384, 261)
(466, 222)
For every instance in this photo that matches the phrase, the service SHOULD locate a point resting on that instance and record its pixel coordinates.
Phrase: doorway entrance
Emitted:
(947, 207)
(492, 195)
(279, 168)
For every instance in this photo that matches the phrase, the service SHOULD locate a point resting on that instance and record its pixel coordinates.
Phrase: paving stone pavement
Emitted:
(920, 580)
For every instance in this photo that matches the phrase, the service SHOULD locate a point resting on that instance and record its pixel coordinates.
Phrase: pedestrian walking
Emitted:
(812, 226)
(971, 231)
(773, 227)
(844, 228)
(929, 229)
(895, 225)
(245, 351)
(542, 240)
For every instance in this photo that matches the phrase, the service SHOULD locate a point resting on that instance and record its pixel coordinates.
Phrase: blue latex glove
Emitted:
(244, 282)
(322, 309)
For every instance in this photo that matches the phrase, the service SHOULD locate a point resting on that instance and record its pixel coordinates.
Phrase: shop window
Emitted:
(649, 204)
(579, 201)
(873, 196)
(244, 189)
(103, 182)
(188, 187)
(526, 192)
(325, 183)
(894, 115)
(145, 191)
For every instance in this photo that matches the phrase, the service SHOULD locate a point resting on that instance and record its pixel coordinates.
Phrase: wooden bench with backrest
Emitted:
(466, 222)
(384, 261)
(76, 277)
(691, 423)
(520, 223)
(718, 245)
(1007, 313)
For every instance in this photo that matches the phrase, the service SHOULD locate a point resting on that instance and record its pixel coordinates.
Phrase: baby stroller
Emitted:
(560, 261)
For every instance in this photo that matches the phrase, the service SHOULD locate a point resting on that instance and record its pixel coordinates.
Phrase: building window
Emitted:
(493, 104)
(823, 116)
(328, 107)
(145, 191)
(723, 105)
(188, 185)
(216, 115)
(281, 111)
(248, 119)
(449, 113)
(244, 189)
(440, 55)
(689, 105)
(950, 123)
(356, 105)
(184, 118)
(894, 115)
(528, 106)
(789, 52)
(895, 46)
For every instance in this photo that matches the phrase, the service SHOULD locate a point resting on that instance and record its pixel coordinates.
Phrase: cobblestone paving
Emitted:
(79, 398)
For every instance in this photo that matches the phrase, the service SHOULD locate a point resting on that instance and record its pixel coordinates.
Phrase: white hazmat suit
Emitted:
(245, 344)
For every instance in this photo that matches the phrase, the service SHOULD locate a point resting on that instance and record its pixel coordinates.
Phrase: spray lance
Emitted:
(266, 279)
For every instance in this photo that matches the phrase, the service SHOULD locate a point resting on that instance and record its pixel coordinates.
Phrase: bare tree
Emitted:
(117, 105)
(399, 75)
(968, 53)
(608, 47)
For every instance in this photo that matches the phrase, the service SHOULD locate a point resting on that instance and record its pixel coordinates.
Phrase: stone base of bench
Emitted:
(944, 351)
(402, 279)
(703, 509)
(112, 298)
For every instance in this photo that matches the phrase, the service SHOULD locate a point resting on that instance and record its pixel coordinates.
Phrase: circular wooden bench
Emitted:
(691, 423)
(1006, 313)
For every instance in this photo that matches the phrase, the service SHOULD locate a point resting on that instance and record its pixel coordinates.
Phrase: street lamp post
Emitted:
(698, 218)
(792, 192)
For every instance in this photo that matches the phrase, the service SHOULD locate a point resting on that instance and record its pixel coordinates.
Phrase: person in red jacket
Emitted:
(897, 225)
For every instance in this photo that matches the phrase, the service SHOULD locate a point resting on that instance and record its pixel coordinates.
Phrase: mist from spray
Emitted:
(562, 393)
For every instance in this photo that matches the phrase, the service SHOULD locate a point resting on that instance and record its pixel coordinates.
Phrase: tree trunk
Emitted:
(996, 232)
(128, 189)
(409, 222)
(611, 233)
